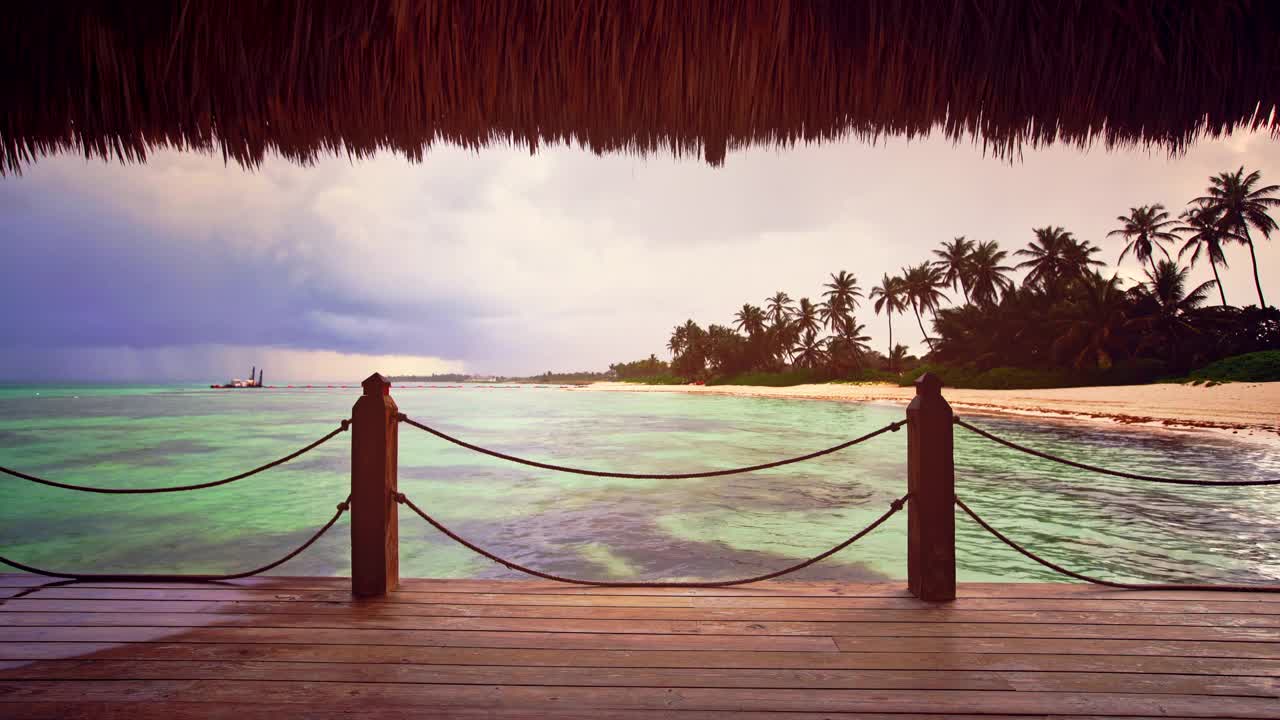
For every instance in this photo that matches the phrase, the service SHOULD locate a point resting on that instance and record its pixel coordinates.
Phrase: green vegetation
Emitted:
(1252, 367)
(1065, 323)
(650, 371)
(770, 379)
(647, 368)
(667, 379)
(434, 377)
(551, 378)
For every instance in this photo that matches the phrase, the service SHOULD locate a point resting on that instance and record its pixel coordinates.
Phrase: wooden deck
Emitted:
(301, 647)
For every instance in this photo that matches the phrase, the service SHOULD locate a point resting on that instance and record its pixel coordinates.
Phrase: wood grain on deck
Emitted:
(302, 647)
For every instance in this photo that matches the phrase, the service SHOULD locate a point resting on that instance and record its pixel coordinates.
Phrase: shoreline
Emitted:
(1240, 411)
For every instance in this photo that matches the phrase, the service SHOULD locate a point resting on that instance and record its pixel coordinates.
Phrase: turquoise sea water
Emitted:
(605, 528)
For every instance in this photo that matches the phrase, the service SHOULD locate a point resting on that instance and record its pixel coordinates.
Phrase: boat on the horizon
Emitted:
(254, 381)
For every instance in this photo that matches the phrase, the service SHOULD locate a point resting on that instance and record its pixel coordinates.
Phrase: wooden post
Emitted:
(931, 480)
(375, 542)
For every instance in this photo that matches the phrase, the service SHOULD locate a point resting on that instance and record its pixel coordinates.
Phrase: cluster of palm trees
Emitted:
(780, 334)
(1091, 324)
(1231, 206)
(1063, 312)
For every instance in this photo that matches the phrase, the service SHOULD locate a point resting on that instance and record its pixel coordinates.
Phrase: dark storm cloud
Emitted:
(78, 273)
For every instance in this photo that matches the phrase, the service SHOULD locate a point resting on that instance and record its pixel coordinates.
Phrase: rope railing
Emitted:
(894, 507)
(891, 427)
(1107, 471)
(342, 427)
(931, 480)
(1098, 581)
(98, 577)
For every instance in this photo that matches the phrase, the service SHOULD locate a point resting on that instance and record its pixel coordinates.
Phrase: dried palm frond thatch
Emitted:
(115, 79)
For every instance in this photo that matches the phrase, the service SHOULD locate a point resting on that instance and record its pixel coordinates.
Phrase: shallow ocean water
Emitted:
(607, 528)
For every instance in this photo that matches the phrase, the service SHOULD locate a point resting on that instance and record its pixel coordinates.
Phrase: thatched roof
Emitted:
(117, 79)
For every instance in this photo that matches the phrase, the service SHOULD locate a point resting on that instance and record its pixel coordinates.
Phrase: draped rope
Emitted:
(894, 507)
(342, 427)
(1108, 471)
(891, 427)
(1108, 583)
(342, 507)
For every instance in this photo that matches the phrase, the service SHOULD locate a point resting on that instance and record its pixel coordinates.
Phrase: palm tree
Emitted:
(889, 296)
(1235, 199)
(1055, 258)
(688, 350)
(1164, 304)
(806, 320)
(955, 264)
(1144, 228)
(1079, 258)
(923, 284)
(1092, 333)
(896, 356)
(986, 275)
(809, 352)
(1207, 236)
(845, 352)
(679, 338)
(780, 334)
(750, 319)
(842, 299)
(778, 309)
(1045, 255)
(832, 317)
(1167, 286)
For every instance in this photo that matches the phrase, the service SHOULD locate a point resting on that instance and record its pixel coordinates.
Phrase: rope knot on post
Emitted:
(401, 417)
(344, 506)
(895, 427)
(345, 425)
(898, 504)
(400, 498)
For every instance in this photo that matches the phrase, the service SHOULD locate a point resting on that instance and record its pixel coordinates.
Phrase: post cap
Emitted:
(928, 384)
(375, 384)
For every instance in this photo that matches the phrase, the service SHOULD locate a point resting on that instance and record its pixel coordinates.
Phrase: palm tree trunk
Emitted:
(889, 315)
(1262, 303)
(1221, 292)
(928, 341)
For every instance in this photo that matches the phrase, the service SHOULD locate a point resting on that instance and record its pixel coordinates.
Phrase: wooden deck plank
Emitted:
(497, 648)
(588, 641)
(1179, 648)
(776, 588)
(431, 638)
(233, 594)
(273, 711)
(924, 614)
(360, 620)
(643, 677)
(371, 696)
(543, 657)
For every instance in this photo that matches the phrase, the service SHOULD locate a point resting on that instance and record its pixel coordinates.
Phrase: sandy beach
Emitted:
(1251, 410)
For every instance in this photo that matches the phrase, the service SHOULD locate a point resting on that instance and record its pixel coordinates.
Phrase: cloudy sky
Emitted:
(187, 268)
